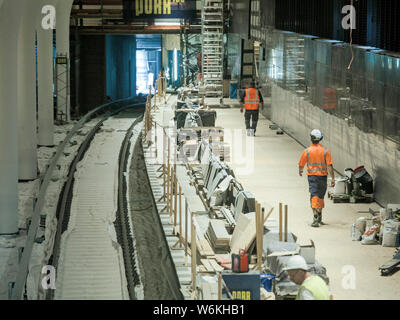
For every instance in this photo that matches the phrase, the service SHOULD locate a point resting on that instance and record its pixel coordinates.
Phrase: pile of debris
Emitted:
(382, 228)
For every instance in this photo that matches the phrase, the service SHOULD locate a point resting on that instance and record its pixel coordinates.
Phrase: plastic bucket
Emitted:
(266, 281)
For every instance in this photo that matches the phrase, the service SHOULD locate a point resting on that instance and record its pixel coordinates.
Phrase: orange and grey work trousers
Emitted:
(317, 186)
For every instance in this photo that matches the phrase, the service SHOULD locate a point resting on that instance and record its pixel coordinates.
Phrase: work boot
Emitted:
(319, 215)
(315, 223)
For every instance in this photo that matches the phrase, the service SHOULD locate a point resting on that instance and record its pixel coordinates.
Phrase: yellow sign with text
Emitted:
(242, 295)
(155, 7)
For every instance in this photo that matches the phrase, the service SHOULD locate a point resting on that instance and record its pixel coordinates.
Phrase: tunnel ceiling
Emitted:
(110, 16)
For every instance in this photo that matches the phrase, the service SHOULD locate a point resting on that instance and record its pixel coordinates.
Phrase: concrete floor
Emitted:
(351, 266)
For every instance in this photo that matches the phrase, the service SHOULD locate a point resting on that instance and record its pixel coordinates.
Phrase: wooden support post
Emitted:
(180, 216)
(176, 200)
(186, 232)
(171, 195)
(194, 253)
(155, 140)
(256, 220)
(167, 197)
(269, 213)
(163, 167)
(286, 222)
(167, 179)
(280, 221)
(259, 236)
(164, 144)
(219, 286)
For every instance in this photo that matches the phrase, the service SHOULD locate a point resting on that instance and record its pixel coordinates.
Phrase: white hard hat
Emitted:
(296, 262)
(316, 134)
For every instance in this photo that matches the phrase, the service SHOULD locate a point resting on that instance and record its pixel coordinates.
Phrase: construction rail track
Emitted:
(123, 231)
(64, 203)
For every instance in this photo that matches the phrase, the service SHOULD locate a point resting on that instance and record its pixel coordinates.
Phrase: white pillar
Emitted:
(62, 48)
(27, 131)
(10, 19)
(45, 80)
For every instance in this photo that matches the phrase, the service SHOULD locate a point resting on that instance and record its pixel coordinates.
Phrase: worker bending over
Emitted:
(319, 162)
(311, 287)
(252, 100)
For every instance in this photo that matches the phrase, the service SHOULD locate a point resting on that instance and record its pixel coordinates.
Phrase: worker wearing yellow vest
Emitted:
(319, 163)
(252, 100)
(311, 287)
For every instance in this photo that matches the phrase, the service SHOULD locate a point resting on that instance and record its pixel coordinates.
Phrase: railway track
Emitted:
(93, 246)
(93, 257)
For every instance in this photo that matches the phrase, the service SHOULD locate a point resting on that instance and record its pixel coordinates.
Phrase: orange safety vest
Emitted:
(252, 99)
(316, 161)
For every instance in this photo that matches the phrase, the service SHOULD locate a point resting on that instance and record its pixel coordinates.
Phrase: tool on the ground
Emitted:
(355, 187)
(390, 266)
(240, 262)
(371, 211)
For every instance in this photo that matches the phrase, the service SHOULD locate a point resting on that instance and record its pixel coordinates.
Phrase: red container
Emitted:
(240, 262)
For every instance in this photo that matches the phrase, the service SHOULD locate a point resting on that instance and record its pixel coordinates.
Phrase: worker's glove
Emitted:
(241, 110)
(333, 183)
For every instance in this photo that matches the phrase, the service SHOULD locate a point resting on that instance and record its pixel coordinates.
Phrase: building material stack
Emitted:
(218, 236)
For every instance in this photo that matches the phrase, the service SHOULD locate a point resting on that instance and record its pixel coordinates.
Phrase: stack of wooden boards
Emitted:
(218, 236)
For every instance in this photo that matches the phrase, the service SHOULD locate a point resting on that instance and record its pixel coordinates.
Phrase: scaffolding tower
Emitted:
(212, 30)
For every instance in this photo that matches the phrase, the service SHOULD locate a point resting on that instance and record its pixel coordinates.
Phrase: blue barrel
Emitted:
(266, 281)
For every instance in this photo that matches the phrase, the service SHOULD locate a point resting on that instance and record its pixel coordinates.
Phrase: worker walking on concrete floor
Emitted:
(311, 287)
(252, 100)
(319, 162)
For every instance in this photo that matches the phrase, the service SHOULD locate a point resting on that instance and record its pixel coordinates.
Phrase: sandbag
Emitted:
(368, 237)
(355, 233)
(357, 229)
(391, 231)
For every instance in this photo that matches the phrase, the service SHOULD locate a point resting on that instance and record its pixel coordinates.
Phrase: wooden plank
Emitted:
(219, 229)
(215, 265)
(244, 235)
(207, 264)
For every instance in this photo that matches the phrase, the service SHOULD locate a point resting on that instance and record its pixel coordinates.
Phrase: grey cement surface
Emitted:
(275, 179)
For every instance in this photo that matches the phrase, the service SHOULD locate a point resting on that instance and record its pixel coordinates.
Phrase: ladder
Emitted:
(212, 31)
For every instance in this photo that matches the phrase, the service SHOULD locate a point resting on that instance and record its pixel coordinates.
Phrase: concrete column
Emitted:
(27, 131)
(45, 80)
(10, 19)
(62, 48)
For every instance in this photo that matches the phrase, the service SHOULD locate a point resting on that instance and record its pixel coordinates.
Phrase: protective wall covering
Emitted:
(356, 109)
(234, 54)
(240, 18)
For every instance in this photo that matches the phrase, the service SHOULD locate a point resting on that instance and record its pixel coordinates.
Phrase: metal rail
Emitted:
(122, 219)
(18, 290)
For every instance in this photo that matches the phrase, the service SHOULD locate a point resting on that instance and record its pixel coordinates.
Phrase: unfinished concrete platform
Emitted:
(351, 266)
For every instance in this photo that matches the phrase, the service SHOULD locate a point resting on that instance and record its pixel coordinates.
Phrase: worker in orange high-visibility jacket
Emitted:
(319, 163)
(251, 99)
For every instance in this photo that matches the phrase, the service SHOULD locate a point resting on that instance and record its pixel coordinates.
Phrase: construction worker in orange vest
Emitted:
(252, 99)
(319, 163)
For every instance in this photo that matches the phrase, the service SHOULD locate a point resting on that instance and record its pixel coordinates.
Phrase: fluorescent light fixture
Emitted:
(167, 22)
